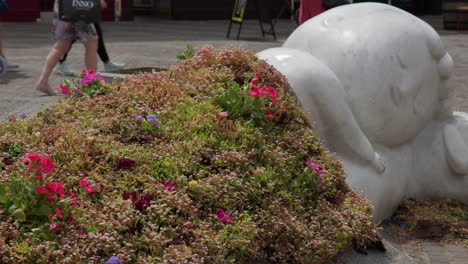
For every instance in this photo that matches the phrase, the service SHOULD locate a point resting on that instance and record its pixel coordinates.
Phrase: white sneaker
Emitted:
(10, 66)
(113, 66)
(62, 69)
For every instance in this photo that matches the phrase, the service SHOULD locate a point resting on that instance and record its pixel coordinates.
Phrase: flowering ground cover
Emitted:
(211, 161)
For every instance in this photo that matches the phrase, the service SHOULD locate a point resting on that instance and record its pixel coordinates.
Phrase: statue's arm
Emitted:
(319, 90)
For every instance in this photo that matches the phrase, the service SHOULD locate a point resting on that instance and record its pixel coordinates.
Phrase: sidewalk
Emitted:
(145, 42)
(155, 42)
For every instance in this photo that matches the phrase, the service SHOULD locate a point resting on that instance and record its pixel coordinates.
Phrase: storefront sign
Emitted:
(239, 8)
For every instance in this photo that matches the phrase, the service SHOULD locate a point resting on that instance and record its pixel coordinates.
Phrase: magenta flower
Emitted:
(63, 89)
(269, 115)
(315, 167)
(168, 186)
(254, 91)
(86, 185)
(256, 78)
(223, 217)
(140, 202)
(38, 164)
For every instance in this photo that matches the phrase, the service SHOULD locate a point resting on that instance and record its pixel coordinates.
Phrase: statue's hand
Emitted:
(378, 163)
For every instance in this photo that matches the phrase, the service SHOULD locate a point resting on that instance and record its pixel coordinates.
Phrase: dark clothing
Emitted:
(3, 5)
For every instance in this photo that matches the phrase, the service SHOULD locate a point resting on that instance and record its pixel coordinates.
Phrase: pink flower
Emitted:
(53, 226)
(58, 213)
(86, 79)
(50, 217)
(223, 114)
(223, 217)
(63, 89)
(41, 190)
(74, 202)
(85, 184)
(168, 186)
(254, 91)
(50, 198)
(38, 164)
(47, 165)
(55, 187)
(84, 72)
(269, 115)
(314, 166)
(256, 78)
(33, 160)
(271, 92)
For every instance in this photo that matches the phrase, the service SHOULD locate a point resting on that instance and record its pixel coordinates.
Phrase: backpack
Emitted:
(88, 11)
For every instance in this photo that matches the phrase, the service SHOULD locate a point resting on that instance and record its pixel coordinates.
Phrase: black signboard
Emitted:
(239, 9)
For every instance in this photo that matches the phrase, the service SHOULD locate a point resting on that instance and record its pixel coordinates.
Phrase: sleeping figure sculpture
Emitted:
(375, 80)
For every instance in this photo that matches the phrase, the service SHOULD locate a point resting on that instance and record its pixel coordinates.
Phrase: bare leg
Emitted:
(57, 52)
(91, 54)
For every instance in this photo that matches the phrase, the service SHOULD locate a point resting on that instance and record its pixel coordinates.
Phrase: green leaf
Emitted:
(42, 210)
(19, 215)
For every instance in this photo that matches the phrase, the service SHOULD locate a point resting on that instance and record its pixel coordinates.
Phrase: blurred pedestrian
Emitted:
(65, 33)
(3, 8)
(62, 68)
(309, 9)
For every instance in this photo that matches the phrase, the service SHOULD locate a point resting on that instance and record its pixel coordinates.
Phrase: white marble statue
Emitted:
(376, 82)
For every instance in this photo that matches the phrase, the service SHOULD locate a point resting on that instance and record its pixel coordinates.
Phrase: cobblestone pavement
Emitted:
(156, 42)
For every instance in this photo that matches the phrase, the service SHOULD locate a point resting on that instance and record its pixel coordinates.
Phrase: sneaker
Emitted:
(10, 66)
(113, 66)
(3, 66)
(62, 69)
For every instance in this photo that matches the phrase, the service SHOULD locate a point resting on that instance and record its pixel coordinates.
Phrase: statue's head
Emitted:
(391, 64)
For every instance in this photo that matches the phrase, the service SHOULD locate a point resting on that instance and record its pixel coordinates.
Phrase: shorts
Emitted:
(73, 31)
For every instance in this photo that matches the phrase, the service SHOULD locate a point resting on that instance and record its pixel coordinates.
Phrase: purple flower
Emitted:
(153, 119)
(139, 117)
(113, 260)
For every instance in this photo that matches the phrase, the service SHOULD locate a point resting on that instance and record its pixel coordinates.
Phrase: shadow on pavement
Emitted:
(12, 75)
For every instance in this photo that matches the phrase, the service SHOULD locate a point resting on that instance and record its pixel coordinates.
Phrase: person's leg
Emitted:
(62, 68)
(57, 52)
(91, 54)
(102, 52)
(64, 58)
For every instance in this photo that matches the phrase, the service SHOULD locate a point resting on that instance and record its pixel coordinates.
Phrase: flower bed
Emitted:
(210, 162)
